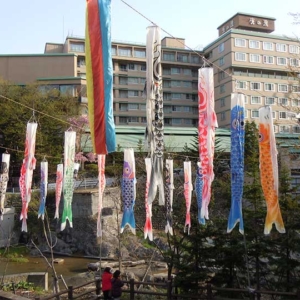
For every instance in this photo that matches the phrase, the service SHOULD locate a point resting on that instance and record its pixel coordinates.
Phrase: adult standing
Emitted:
(117, 283)
(106, 282)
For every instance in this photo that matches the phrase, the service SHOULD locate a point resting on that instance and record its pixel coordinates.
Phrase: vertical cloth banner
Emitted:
(155, 113)
(29, 164)
(101, 179)
(128, 190)
(237, 130)
(69, 158)
(43, 189)
(206, 133)
(148, 207)
(4, 177)
(58, 188)
(188, 189)
(169, 188)
(269, 170)
(99, 75)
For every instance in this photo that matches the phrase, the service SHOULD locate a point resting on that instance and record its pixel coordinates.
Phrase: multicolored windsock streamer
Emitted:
(99, 75)
(206, 133)
(43, 189)
(269, 170)
(101, 179)
(169, 188)
(188, 189)
(148, 223)
(58, 188)
(128, 190)
(199, 191)
(29, 163)
(69, 157)
(237, 161)
(155, 114)
(4, 168)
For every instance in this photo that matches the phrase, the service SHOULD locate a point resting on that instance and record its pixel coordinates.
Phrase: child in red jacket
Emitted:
(106, 282)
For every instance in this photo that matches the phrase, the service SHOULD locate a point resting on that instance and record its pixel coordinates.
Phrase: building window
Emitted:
(282, 115)
(124, 52)
(241, 85)
(273, 114)
(281, 47)
(221, 61)
(239, 56)
(270, 101)
(296, 88)
(167, 109)
(254, 113)
(175, 83)
(284, 129)
(269, 87)
(240, 42)
(255, 58)
(255, 100)
(187, 72)
(143, 120)
(187, 84)
(283, 88)
(123, 107)
(283, 101)
(133, 120)
(139, 53)
(167, 96)
(133, 93)
(186, 109)
(175, 71)
(191, 97)
(75, 47)
(67, 90)
(294, 49)
(294, 62)
(113, 51)
(143, 68)
(295, 102)
(176, 121)
(268, 59)
(222, 102)
(182, 57)
(176, 96)
(221, 47)
(268, 46)
(123, 120)
(282, 61)
(255, 86)
(166, 83)
(133, 106)
(296, 129)
(246, 113)
(254, 44)
(195, 59)
(132, 67)
(176, 108)
(223, 116)
(222, 88)
(221, 75)
(80, 62)
(142, 81)
(169, 56)
(133, 80)
(123, 80)
(187, 121)
(123, 94)
(123, 67)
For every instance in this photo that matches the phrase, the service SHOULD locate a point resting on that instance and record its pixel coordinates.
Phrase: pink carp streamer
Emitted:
(148, 224)
(43, 189)
(269, 170)
(29, 163)
(188, 189)
(58, 188)
(169, 187)
(101, 179)
(206, 130)
(3, 181)
(68, 184)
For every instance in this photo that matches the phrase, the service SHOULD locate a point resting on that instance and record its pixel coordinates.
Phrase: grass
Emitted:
(14, 254)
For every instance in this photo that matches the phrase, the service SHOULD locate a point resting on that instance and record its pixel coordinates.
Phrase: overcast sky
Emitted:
(25, 26)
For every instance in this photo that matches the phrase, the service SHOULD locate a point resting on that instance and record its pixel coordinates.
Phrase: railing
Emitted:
(206, 292)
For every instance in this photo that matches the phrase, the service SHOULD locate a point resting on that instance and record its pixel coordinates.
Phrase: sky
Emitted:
(25, 26)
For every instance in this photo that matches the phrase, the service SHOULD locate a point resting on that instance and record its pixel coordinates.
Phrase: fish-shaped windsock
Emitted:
(101, 179)
(237, 161)
(99, 75)
(58, 188)
(148, 223)
(169, 187)
(188, 189)
(69, 158)
(155, 113)
(43, 189)
(199, 191)
(269, 169)
(206, 133)
(128, 190)
(29, 164)
(4, 168)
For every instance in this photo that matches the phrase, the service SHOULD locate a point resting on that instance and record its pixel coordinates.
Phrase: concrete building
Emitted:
(250, 60)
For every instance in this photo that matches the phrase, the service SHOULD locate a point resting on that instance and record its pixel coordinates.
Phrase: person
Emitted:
(116, 285)
(106, 282)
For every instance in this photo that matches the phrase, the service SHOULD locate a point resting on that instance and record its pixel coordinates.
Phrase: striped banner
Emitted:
(99, 75)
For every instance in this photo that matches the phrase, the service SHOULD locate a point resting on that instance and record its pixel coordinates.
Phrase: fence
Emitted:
(206, 292)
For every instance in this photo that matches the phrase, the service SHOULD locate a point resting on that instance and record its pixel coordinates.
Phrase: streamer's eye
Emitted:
(242, 124)
(261, 137)
(235, 123)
